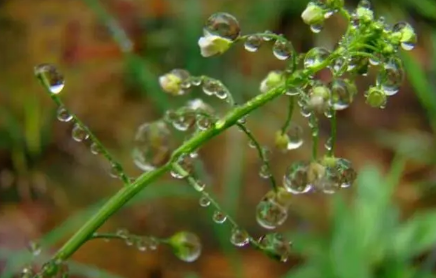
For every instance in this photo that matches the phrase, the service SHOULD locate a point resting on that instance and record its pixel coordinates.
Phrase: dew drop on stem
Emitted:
(51, 77)
(79, 134)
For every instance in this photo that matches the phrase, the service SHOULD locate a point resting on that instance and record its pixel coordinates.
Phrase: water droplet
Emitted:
(293, 91)
(34, 248)
(141, 245)
(270, 214)
(374, 60)
(316, 28)
(63, 115)
(329, 144)
(391, 76)
(196, 81)
(295, 180)
(342, 94)
(376, 97)
(222, 93)
(315, 57)
(276, 245)
(223, 25)
(186, 162)
(186, 246)
(176, 82)
(199, 186)
(95, 148)
(219, 217)
(115, 171)
(129, 241)
(408, 36)
(339, 66)
(239, 237)
(203, 122)
(50, 77)
(151, 243)
(252, 144)
(152, 145)
(204, 201)
(295, 136)
(210, 86)
(253, 43)
(121, 232)
(266, 35)
(282, 50)
(27, 272)
(264, 172)
(342, 173)
(242, 120)
(79, 134)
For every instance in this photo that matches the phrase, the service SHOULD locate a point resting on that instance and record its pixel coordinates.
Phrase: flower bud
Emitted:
(273, 79)
(211, 45)
(313, 14)
(172, 81)
(376, 97)
(281, 140)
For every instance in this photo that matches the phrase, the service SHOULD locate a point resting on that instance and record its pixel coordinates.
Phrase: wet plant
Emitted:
(367, 42)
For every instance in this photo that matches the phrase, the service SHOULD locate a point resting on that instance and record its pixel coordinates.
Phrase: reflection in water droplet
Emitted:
(50, 77)
(79, 134)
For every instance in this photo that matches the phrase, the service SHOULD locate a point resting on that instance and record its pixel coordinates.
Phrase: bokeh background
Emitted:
(49, 184)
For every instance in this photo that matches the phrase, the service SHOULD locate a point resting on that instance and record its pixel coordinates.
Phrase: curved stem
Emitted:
(289, 115)
(333, 125)
(260, 153)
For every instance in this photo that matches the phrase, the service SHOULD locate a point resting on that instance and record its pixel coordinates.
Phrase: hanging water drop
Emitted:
(264, 172)
(63, 115)
(270, 214)
(295, 136)
(152, 145)
(342, 94)
(141, 245)
(282, 50)
(50, 77)
(204, 201)
(34, 248)
(391, 76)
(252, 43)
(329, 144)
(295, 180)
(79, 134)
(186, 246)
(315, 57)
(95, 148)
(223, 25)
(276, 245)
(316, 28)
(219, 217)
(210, 86)
(239, 237)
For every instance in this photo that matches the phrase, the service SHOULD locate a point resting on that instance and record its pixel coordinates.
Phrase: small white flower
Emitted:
(273, 79)
(313, 14)
(211, 45)
(170, 83)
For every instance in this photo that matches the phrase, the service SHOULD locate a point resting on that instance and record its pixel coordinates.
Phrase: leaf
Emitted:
(415, 236)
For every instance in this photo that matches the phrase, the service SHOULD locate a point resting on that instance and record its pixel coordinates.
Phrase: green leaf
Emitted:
(415, 236)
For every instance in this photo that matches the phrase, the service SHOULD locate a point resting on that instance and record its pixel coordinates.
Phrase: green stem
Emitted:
(289, 115)
(126, 193)
(260, 153)
(333, 124)
(123, 237)
(315, 135)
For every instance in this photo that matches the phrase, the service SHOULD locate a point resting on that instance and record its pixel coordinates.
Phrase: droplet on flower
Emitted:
(63, 115)
(315, 57)
(391, 76)
(79, 134)
(295, 180)
(175, 82)
(186, 246)
(342, 94)
(270, 214)
(204, 201)
(239, 237)
(219, 217)
(50, 77)
(151, 145)
(252, 43)
(276, 246)
(376, 97)
(282, 50)
(407, 35)
(264, 172)
(223, 25)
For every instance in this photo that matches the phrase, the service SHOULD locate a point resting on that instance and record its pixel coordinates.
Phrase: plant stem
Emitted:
(289, 115)
(333, 125)
(315, 136)
(260, 153)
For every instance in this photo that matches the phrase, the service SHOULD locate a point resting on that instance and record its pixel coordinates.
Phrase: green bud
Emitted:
(321, 91)
(281, 140)
(186, 246)
(313, 14)
(376, 97)
(273, 79)
(365, 15)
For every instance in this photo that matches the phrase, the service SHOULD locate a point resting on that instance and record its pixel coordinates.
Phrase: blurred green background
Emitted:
(49, 184)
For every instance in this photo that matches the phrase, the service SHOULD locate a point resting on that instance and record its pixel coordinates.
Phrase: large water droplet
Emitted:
(63, 115)
(270, 214)
(239, 237)
(210, 86)
(50, 77)
(295, 180)
(186, 246)
(391, 76)
(186, 162)
(282, 50)
(315, 57)
(342, 94)
(295, 136)
(223, 25)
(79, 134)
(253, 43)
(219, 217)
(264, 172)
(151, 145)
(408, 38)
